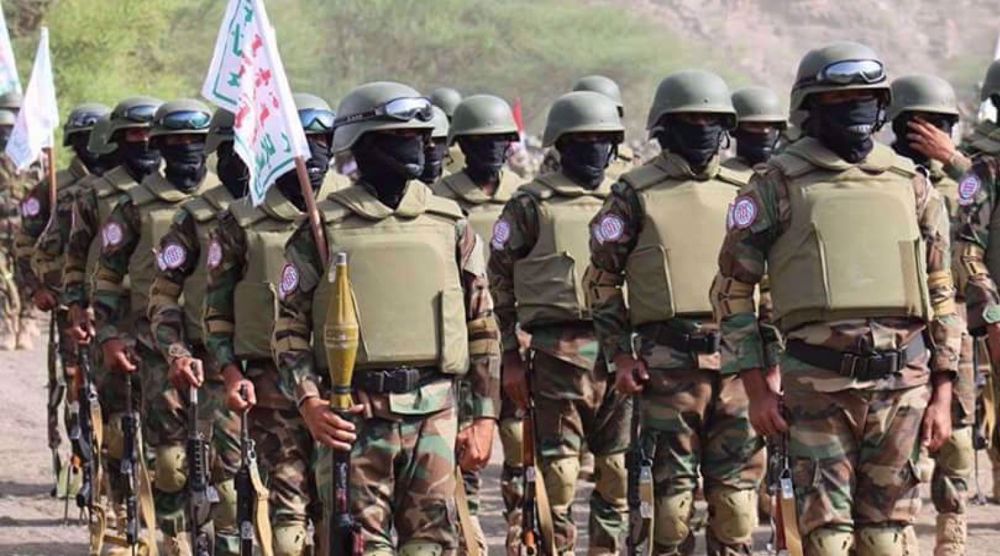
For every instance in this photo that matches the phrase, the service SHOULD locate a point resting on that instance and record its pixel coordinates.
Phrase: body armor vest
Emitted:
(670, 270)
(853, 248)
(480, 209)
(203, 211)
(547, 282)
(406, 280)
(108, 191)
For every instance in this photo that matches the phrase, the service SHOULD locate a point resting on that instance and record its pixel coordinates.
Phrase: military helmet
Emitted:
(82, 118)
(922, 93)
(382, 105)
(446, 99)
(691, 91)
(991, 84)
(134, 112)
(7, 118)
(220, 129)
(11, 100)
(758, 105)
(582, 112)
(99, 142)
(181, 117)
(315, 114)
(841, 66)
(440, 121)
(603, 85)
(482, 115)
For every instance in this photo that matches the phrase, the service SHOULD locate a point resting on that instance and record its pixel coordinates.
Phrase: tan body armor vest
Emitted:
(547, 282)
(108, 191)
(406, 280)
(670, 270)
(203, 211)
(853, 248)
(480, 209)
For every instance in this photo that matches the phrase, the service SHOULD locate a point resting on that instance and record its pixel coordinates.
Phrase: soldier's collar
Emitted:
(676, 166)
(463, 186)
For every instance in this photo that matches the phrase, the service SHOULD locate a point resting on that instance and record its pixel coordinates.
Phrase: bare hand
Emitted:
(44, 299)
(116, 356)
(475, 444)
(186, 372)
(240, 393)
(765, 403)
(630, 374)
(930, 141)
(80, 328)
(328, 428)
(514, 379)
(936, 426)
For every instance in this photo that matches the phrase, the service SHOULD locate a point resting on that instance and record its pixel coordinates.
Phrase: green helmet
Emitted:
(691, 91)
(582, 112)
(11, 100)
(440, 121)
(99, 143)
(841, 66)
(181, 117)
(758, 105)
(991, 84)
(220, 130)
(83, 118)
(382, 105)
(446, 99)
(7, 117)
(922, 93)
(482, 115)
(315, 114)
(131, 113)
(603, 85)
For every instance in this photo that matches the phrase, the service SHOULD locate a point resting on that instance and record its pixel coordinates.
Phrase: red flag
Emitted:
(519, 118)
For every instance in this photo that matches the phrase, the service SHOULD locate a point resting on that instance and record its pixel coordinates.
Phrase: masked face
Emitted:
(846, 127)
(231, 171)
(484, 156)
(387, 160)
(185, 161)
(319, 160)
(900, 128)
(139, 159)
(78, 142)
(756, 146)
(584, 159)
(697, 143)
(434, 161)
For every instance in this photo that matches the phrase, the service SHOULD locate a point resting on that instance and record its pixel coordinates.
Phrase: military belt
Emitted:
(697, 342)
(401, 380)
(860, 366)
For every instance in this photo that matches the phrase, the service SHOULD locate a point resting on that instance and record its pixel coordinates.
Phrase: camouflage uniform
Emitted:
(17, 314)
(694, 414)
(403, 462)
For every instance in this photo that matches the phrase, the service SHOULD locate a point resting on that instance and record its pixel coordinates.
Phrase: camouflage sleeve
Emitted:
(483, 377)
(614, 231)
(176, 258)
(47, 259)
(945, 328)
(977, 203)
(774, 343)
(220, 317)
(34, 210)
(83, 228)
(763, 208)
(514, 235)
(293, 332)
(958, 166)
(119, 237)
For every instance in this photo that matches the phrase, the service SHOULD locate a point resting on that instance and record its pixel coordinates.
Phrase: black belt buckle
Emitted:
(391, 381)
(707, 343)
(871, 366)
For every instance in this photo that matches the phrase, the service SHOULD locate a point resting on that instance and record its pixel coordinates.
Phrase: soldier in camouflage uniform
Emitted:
(426, 324)
(245, 257)
(760, 122)
(931, 101)
(485, 123)
(538, 256)
(694, 415)
(437, 148)
(448, 99)
(872, 336)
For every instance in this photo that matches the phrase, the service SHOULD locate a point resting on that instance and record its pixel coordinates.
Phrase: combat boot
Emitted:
(951, 534)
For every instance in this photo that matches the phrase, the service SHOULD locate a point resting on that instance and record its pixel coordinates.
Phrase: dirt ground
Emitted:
(31, 521)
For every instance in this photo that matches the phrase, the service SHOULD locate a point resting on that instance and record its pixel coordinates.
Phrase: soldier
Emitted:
(985, 137)
(538, 255)
(857, 371)
(437, 148)
(694, 414)
(484, 127)
(931, 101)
(244, 258)
(426, 321)
(448, 99)
(760, 123)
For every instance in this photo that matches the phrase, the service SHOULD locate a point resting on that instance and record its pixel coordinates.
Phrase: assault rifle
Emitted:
(83, 435)
(199, 496)
(130, 466)
(784, 516)
(984, 416)
(251, 496)
(57, 390)
(639, 462)
(536, 517)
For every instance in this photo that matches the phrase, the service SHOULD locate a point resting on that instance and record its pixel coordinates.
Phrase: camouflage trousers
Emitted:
(854, 461)
(573, 405)
(697, 423)
(512, 473)
(953, 463)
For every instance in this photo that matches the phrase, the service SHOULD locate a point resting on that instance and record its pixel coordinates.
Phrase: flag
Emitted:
(39, 115)
(988, 112)
(519, 118)
(247, 78)
(8, 67)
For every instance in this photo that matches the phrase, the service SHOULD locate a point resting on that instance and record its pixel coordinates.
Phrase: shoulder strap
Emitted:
(734, 177)
(444, 207)
(245, 213)
(647, 175)
(200, 209)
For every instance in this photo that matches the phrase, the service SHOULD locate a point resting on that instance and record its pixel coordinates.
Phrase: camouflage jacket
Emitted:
(14, 187)
(743, 258)
(978, 193)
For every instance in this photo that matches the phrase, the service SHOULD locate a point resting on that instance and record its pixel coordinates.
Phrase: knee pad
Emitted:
(171, 468)
(114, 438)
(881, 541)
(733, 515)
(560, 477)
(419, 548)
(512, 441)
(957, 457)
(611, 479)
(671, 519)
(289, 539)
(224, 511)
(827, 541)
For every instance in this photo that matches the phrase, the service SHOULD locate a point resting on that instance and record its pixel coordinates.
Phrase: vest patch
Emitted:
(501, 234)
(610, 228)
(111, 235)
(743, 213)
(214, 254)
(289, 280)
(172, 257)
(31, 207)
(968, 188)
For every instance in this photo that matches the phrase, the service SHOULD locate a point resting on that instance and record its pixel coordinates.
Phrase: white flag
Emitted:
(9, 81)
(248, 79)
(988, 112)
(39, 115)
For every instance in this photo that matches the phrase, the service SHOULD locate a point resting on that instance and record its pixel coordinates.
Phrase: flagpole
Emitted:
(50, 157)
(311, 210)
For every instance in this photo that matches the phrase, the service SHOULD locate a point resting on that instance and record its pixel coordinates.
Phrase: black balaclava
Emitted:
(317, 166)
(5, 132)
(108, 161)
(756, 147)
(139, 158)
(484, 156)
(900, 128)
(846, 128)
(185, 163)
(585, 161)
(434, 160)
(387, 161)
(231, 170)
(78, 142)
(696, 143)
